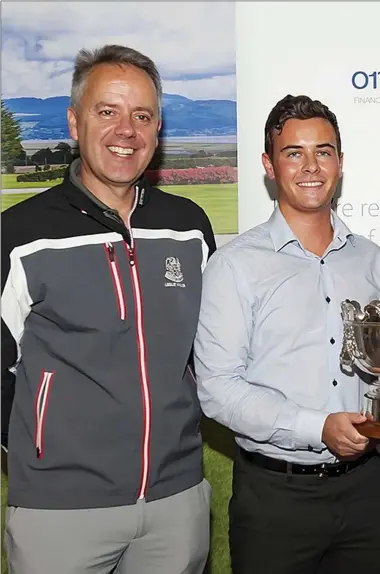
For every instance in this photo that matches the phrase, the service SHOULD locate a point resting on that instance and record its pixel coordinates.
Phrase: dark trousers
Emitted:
(296, 524)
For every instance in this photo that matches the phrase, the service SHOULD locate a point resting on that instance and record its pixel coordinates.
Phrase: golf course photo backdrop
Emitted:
(194, 50)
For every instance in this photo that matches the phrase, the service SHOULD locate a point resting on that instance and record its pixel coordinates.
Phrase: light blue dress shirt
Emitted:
(270, 335)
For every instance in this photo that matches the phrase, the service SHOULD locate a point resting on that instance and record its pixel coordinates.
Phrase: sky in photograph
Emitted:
(192, 43)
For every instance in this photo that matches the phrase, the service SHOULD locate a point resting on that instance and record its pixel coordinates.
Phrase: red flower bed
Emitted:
(193, 175)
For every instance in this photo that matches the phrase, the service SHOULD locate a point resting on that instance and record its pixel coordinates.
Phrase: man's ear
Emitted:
(159, 126)
(341, 165)
(72, 120)
(268, 165)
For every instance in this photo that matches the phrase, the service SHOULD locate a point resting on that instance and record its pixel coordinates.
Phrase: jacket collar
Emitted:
(73, 175)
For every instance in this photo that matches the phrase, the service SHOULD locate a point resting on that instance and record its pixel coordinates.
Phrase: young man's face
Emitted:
(117, 124)
(305, 164)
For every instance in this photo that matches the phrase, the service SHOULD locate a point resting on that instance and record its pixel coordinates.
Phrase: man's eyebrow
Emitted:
(330, 145)
(291, 147)
(114, 106)
(144, 109)
(107, 104)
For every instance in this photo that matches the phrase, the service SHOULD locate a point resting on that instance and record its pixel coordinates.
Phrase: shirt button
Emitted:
(335, 383)
(332, 340)
(328, 299)
(322, 261)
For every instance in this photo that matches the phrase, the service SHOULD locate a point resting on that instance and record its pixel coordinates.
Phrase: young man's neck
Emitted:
(313, 229)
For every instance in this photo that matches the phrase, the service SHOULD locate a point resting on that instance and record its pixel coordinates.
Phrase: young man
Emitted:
(102, 283)
(267, 363)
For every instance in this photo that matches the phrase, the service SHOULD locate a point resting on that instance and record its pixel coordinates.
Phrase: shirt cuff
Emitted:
(308, 429)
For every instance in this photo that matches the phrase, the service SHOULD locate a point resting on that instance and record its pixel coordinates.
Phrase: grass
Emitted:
(7, 199)
(9, 181)
(3, 507)
(218, 450)
(219, 201)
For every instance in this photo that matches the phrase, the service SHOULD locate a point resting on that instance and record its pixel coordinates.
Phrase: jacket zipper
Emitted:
(141, 347)
(143, 372)
(115, 272)
(41, 407)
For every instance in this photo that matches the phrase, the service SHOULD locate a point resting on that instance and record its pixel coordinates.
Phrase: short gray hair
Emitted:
(86, 61)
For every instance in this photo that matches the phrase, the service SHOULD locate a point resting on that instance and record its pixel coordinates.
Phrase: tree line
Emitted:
(13, 153)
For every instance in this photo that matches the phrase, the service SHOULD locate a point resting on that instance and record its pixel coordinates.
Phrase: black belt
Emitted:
(325, 469)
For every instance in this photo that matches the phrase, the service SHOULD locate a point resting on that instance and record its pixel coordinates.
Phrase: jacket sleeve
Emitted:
(221, 350)
(8, 357)
(208, 235)
(209, 239)
(14, 310)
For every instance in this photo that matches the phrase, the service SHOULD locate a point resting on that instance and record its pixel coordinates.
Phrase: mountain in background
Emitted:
(44, 119)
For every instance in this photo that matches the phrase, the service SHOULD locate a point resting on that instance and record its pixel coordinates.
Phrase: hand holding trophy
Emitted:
(361, 347)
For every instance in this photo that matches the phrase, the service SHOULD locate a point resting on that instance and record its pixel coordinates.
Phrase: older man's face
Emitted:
(116, 125)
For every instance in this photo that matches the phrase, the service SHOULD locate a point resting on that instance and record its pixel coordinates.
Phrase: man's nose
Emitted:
(311, 164)
(125, 127)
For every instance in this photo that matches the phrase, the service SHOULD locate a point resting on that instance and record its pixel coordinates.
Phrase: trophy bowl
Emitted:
(361, 348)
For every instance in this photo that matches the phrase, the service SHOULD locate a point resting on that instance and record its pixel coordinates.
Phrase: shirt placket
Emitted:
(333, 337)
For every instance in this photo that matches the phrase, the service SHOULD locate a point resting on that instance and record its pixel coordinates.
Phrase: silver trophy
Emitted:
(361, 348)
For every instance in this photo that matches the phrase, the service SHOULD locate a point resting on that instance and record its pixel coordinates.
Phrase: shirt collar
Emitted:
(281, 234)
(341, 231)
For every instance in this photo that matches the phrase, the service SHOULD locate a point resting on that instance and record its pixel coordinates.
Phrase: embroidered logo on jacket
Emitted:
(173, 272)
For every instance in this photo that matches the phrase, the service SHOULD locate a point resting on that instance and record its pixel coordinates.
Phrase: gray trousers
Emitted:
(167, 536)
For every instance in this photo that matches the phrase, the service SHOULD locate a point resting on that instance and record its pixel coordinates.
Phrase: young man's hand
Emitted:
(341, 437)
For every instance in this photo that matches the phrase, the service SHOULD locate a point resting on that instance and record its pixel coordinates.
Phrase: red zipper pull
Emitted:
(111, 251)
(131, 256)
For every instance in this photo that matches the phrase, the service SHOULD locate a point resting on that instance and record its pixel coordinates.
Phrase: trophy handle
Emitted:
(371, 427)
(350, 350)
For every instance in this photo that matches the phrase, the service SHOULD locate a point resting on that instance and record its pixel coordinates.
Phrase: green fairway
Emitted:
(3, 507)
(218, 453)
(219, 201)
(8, 199)
(9, 181)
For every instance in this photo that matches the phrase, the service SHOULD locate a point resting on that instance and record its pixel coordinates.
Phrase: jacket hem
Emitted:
(45, 499)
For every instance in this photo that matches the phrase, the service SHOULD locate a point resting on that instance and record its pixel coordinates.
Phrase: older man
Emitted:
(102, 283)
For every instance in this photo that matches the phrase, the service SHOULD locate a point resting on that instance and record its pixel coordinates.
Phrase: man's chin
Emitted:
(314, 207)
(122, 180)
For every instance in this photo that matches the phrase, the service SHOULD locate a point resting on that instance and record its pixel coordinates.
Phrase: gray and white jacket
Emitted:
(98, 323)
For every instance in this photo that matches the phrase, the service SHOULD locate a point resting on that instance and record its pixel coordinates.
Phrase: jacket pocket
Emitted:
(42, 399)
(116, 278)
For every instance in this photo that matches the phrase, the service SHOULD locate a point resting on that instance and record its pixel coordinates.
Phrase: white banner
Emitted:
(329, 51)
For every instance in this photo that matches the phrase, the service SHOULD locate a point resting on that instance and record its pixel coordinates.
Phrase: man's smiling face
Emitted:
(305, 164)
(116, 124)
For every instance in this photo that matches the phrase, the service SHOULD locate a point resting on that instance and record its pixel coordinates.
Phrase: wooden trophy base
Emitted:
(369, 429)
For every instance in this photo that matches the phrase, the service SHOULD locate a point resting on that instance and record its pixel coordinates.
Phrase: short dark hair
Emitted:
(86, 61)
(298, 108)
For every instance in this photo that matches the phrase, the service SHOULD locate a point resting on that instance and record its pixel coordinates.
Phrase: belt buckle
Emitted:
(323, 470)
(337, 471)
